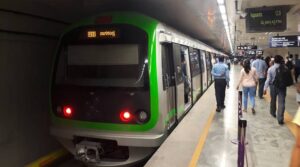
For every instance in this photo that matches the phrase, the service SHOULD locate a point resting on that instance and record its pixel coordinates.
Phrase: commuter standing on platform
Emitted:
(221, 75)
(248, 79)
(261, 69)
(274, 91)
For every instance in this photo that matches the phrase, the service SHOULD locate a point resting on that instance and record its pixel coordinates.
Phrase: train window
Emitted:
(103, 55)
(177, 62)
(107, 62)
(167, 62)
(208, 63)
(194, 61)
(110, 64)
(202, 63)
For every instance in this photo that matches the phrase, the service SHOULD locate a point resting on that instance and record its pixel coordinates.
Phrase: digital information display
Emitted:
(102, 34)
(266, 19)
(284, 41)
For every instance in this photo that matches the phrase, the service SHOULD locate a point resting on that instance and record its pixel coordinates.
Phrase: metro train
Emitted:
(121, 81)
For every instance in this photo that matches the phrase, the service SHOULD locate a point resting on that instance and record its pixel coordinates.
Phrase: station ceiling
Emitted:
(200, 19)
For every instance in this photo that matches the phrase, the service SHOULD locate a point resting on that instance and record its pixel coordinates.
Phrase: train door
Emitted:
(186, 68)
(169, 83)
(182, 79)
(204, 71)
(213, 61)
(208, 68)
(196, 75)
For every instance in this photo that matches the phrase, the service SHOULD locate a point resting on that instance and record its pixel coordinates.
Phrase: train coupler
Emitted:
(88, 151)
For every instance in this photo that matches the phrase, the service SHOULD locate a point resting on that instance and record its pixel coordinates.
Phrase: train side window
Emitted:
(202, 61)
(177, 63)
(208, 61)
(194, 59)
(166, 52)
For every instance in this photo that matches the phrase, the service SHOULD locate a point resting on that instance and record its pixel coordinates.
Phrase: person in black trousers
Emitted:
(220, 73)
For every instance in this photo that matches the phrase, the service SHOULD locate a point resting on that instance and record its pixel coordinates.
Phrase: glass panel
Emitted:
(195, 67)
(126, 54)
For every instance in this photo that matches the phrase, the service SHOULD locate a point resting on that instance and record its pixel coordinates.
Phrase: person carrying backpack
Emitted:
(289, 63)
(278, 78)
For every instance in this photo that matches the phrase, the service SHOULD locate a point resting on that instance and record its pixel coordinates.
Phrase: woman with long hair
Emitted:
(248, 79)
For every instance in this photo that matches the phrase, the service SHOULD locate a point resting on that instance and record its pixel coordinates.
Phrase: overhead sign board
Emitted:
(246, 47)
(284, 41)
(266, 19)
(259, 52)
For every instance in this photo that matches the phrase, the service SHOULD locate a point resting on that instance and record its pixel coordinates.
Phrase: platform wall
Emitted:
(27, 46)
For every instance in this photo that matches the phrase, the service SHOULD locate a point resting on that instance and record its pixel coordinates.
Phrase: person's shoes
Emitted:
(222, 107)
(261, 97)
(280, 122)
(273, 115)
(244, 110)
(253, 111)
(218, 109)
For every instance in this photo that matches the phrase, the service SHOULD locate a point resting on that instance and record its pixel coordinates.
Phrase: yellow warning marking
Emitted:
(287, 118)
(201, 141)
(48, 159)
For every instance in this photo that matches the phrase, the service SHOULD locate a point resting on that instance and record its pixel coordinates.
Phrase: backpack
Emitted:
(283, 77)
(290, 65)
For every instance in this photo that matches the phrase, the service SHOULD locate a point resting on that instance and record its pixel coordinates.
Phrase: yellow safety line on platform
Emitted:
(48, 159)
(201, 141)
(287, 118)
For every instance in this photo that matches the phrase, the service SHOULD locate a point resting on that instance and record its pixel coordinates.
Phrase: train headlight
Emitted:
(142, 116)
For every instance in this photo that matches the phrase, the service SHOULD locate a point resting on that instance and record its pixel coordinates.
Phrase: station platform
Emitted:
(206, 138)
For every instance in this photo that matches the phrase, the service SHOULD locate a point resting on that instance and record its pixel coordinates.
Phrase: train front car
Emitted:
(104, 93)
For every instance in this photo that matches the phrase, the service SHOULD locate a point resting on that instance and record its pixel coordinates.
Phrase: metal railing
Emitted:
(242, 124)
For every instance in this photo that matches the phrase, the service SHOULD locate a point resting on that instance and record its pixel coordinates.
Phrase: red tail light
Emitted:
(68, 111)
(125, 116)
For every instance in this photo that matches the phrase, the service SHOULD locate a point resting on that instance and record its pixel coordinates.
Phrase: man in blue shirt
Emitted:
(274, 91)
(220, 73)
(261, 69)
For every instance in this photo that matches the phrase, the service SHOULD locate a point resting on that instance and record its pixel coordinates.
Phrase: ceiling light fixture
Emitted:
(222, 8)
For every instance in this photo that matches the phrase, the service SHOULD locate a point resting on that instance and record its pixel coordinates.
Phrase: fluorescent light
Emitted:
(226, 23)
(224, 18)
(220, 1)
(222, 9)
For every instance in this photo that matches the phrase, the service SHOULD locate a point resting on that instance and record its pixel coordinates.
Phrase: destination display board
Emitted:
(102, 34)
(266, 19)
(284, 41)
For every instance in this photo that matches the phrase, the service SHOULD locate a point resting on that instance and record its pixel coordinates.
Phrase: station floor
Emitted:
(268, 143)
(205, 138)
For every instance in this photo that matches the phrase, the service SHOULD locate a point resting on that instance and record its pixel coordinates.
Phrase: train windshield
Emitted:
(107, 63)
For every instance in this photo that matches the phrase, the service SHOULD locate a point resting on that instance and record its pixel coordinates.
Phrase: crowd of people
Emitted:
(260, 74)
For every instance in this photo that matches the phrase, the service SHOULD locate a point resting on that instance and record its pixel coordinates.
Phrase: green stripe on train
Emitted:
(148, 25)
